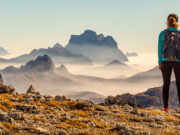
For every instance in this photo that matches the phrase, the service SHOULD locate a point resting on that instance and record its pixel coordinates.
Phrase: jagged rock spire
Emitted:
(31, 89)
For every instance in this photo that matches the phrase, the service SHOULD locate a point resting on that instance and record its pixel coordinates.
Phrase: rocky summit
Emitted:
(90, 44)
(90, 37)
(33, 113)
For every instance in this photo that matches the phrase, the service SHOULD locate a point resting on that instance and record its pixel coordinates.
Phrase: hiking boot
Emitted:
(166, 109)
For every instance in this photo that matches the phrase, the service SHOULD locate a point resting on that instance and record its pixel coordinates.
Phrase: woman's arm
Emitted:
(160, 46)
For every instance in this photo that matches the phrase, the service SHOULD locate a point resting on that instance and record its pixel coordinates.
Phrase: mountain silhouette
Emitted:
(58, 54)
(96, 47)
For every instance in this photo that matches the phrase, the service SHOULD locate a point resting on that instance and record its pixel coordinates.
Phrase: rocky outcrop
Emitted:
(122, 100)
(33, 113)
(153, 97)
(90, 44)
(31, 89)
(6, 88)
(149, 98)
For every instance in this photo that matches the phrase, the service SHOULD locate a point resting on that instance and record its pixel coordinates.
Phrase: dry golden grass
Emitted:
(170, 132)
(123, 117)
(29, 128)
(100, 124)
(65, 126)
(62, 119)
(5, 96)
(9, 126)
(151, 111)
(80, 113)
(148, 119)
(21, 97)
(74, 122)
(3, 108)
(136, 118)
(99, 108)
(171, 118)
(78, 124)
(38, 118)
(54, 103)
(99, 132)
(65, 103)
(9, 104)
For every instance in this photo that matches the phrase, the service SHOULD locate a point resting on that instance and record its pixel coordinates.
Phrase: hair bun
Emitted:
(172, 19)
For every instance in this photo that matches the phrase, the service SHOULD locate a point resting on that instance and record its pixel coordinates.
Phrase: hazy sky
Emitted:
(135, 24)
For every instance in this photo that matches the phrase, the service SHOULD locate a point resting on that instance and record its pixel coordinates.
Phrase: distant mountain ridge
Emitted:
(58, 53)
(96, 47)
(40, 64)
(115, 63)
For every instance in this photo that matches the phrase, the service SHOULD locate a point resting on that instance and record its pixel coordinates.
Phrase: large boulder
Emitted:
(122, 100)
(6, 88)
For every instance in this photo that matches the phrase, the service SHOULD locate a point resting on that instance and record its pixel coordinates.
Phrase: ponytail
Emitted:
(172, 20)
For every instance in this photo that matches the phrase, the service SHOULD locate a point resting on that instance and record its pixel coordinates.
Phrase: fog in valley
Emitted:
(137, 76)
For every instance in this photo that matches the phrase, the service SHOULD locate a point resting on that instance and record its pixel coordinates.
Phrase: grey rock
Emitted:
(81, 104)
(48, 98)
(31, 89)
(4, 117)
(6, 88)
(16, 115)
(62, 132)
(58, 98)
(26, 108)
(122, 100)
(135, 111)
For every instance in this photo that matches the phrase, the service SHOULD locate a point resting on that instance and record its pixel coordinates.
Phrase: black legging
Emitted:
(166, 73)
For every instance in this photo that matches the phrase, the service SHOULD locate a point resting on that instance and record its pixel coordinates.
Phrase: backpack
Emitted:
(171, 45)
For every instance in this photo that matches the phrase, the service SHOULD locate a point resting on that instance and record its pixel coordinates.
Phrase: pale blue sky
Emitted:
(135, 24)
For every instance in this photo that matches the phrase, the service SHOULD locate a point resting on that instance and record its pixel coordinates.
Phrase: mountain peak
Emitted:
(57, 45)
(91, 44)
(115, 63)
(90, 37)
(89, 32)
(41, 63)
(63, 68)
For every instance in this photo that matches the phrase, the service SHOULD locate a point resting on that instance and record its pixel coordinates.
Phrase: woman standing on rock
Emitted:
(169, 57)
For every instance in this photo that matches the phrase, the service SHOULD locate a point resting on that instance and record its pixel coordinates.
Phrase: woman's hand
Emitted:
(160, 67)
